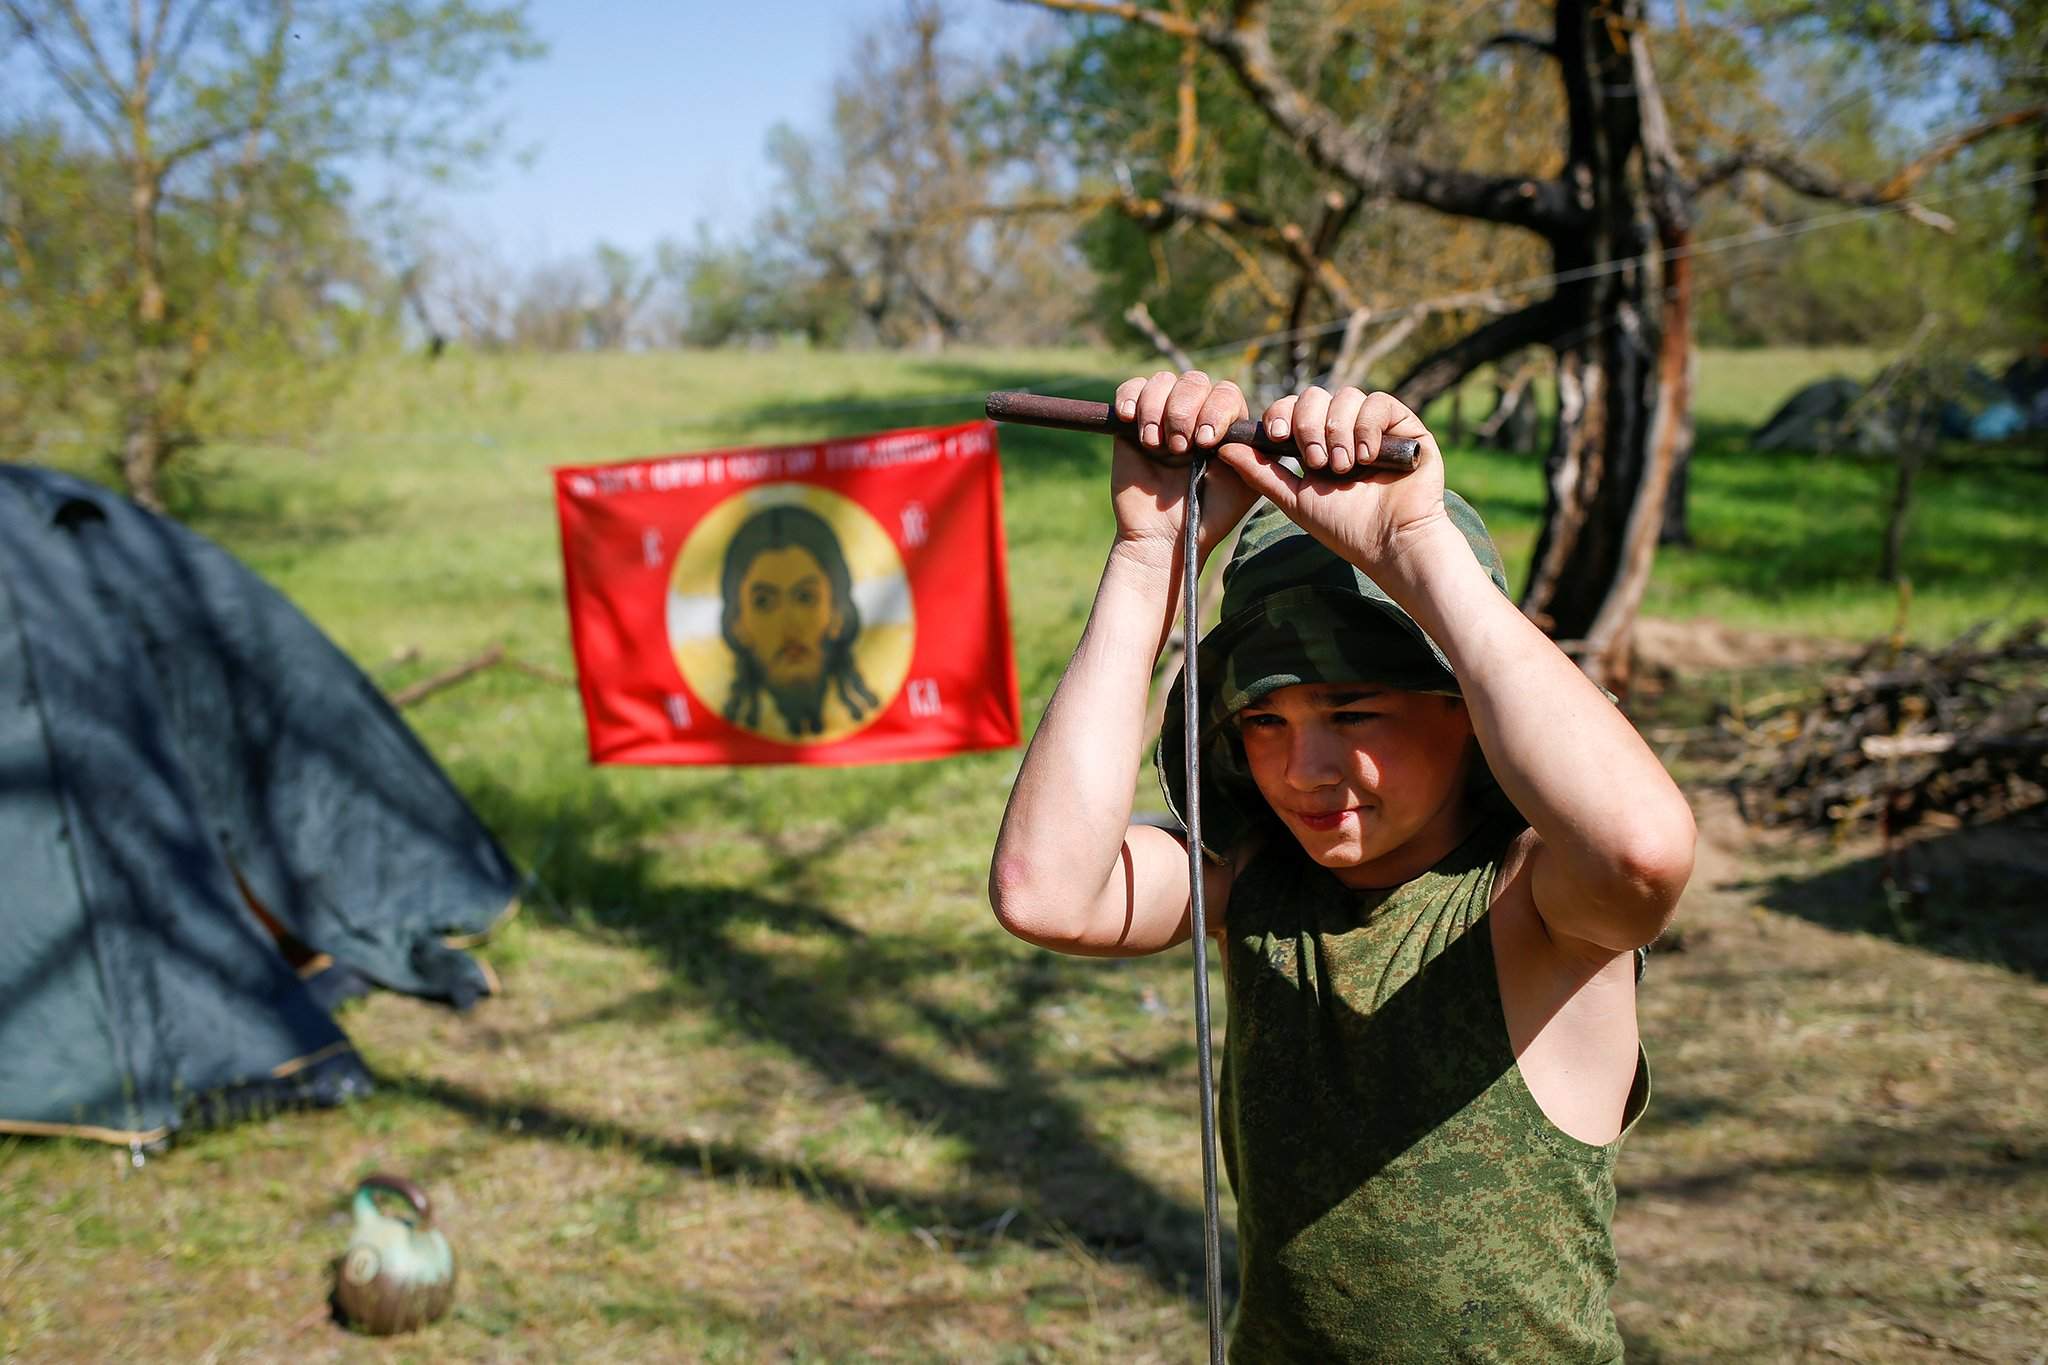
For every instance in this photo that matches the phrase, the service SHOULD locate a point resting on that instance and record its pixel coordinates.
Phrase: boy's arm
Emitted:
(1615, 836)
(1070, 871)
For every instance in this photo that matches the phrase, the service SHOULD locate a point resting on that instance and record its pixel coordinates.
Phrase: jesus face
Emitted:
(786, 614)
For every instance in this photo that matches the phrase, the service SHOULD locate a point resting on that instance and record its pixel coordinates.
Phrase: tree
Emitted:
(224, 127)
(713, 293)
(879, 210)
(1982, 60)
(1383, 117)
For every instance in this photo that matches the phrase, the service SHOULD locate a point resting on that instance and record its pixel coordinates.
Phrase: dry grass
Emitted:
(1845, 1158)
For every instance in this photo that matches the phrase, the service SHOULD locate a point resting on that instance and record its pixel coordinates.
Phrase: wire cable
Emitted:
(1198, 923)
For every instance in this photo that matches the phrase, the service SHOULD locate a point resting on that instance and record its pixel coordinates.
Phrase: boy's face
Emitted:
(1358, 773)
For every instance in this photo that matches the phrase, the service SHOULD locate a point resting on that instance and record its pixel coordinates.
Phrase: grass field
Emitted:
(767, 1083)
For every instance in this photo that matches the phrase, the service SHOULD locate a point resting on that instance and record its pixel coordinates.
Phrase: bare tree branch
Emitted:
(1261, 282)
(1817, 183)
(92, 51)
(1245, 46)
(1177, 25)
(74, 83)
(1544, 206)
(1285, 237)
(1537, 325)
(195, 15)
(1902, 181)
(1511, 397)
(1534, 41)
(1160, 212)
(1338, 212)
(1878, 24)
(158, 27)
(1189, 120)
(1356, 366)
(1140, 317)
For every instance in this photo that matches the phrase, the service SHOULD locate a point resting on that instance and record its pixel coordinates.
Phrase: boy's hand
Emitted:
(1369, 520)
(1176, 415)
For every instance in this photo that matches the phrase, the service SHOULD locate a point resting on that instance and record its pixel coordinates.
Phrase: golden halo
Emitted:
(798, 674)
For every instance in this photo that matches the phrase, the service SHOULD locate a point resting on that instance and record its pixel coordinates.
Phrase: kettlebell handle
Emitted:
(404, 1189)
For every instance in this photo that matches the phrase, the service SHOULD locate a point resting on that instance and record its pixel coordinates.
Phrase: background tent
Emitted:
(178, 744)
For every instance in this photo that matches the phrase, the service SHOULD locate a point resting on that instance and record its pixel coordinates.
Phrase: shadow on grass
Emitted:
(256, 514)
(1945, 1155)
(1977, 895)
(1022, 1138)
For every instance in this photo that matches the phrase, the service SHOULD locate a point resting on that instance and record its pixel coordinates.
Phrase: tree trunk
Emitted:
(1624, 373)
(1917, 434)
(2039, 222)
(1618, 320)
(1677, 526)
(144, 446)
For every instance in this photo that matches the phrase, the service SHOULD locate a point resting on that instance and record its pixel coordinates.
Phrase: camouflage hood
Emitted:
(1294, 612)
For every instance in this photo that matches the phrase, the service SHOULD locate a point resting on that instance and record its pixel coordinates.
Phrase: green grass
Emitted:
(1793, 542)
(767, 1082)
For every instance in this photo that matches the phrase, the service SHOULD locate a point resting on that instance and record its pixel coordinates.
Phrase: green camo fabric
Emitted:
(1296, 612)
(1401, 1197)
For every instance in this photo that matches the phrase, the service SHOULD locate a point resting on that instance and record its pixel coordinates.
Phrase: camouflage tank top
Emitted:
(1401, 1196)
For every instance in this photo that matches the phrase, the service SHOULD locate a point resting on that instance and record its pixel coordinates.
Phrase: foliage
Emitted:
(1819, 79)
(875, 227)
(216, 136)
(1138, 117)
(1831, 77)
(722, 293)
(285, 307)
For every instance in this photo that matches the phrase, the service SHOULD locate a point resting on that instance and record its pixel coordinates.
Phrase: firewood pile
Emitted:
(1958, 733)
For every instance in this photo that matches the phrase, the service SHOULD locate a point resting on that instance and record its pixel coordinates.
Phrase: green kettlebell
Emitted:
(399, 1272)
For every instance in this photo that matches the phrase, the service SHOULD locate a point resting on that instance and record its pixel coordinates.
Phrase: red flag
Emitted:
(842, 602)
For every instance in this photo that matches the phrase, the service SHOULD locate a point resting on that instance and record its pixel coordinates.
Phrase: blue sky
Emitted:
(645, 118)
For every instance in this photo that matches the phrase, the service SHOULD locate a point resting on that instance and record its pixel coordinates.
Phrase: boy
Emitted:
(1433, 848)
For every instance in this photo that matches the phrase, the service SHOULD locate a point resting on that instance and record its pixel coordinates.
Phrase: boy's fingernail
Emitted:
(1337, 453)
(1129, 408)
(1205, 434)
(1278, 427)
(1177, 443)
(1150, 435)
(1314, 453)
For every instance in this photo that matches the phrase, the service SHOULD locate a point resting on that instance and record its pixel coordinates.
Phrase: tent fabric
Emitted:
(1819, 418)
(1835, 415)
(177, 740)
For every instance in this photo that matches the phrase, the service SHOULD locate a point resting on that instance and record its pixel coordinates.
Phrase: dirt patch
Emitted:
(1704, 645)
(1843, 1157)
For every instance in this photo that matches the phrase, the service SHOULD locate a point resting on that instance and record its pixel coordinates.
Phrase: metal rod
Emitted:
(1398, 454)
(1198, 924)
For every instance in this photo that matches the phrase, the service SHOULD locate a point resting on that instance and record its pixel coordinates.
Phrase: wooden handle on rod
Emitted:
(1398, 454)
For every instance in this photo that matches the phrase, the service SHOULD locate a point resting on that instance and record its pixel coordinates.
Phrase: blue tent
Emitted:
(207, 815)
